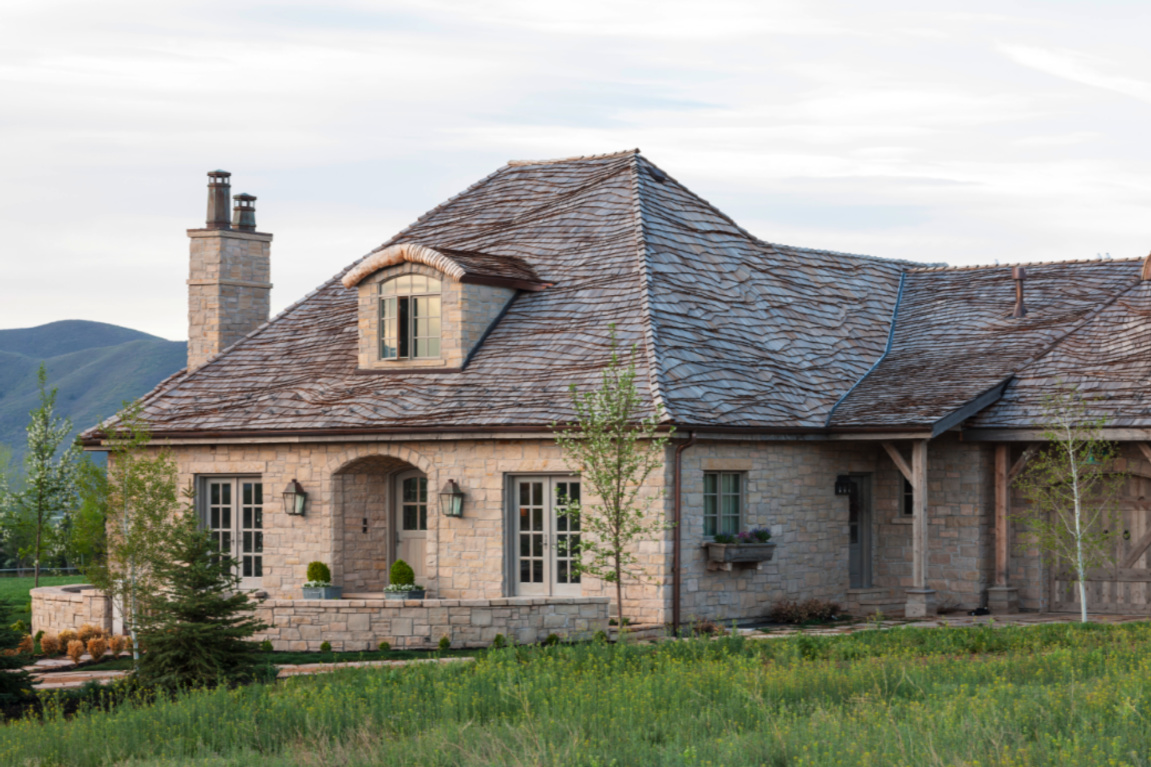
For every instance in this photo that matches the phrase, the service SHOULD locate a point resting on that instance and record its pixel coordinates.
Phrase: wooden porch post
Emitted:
(920, 598)
(1002, 599)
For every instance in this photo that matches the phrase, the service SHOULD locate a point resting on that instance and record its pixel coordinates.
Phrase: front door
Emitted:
(411, 522)
(859, 532)
(545, 539)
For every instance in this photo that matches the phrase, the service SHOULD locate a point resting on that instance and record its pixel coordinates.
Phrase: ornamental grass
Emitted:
(1056, 694)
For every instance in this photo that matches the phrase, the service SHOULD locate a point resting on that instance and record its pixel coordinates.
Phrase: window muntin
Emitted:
(234, 519)
(722, 502)
(414, 503)
(410, 317)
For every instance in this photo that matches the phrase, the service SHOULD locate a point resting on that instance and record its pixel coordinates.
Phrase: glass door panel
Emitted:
(547, 541)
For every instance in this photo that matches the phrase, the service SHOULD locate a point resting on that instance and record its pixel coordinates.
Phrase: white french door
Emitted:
(411, 522)
(546, 542)
(233, 514)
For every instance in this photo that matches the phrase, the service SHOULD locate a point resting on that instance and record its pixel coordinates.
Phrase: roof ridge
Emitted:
(686, 189)
(574, 158)
(883, 259)
(1029, 263)
(655, 366)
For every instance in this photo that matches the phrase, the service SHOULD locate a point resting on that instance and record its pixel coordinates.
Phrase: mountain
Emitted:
(94, 366)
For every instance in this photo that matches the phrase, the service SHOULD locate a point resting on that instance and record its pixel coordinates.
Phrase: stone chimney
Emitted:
(229, 288)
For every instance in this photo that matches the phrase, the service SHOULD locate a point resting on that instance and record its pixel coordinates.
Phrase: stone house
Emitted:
(870, 412)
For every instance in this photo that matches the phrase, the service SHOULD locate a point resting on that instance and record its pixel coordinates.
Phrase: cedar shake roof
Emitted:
(954, 339)
(730, 330)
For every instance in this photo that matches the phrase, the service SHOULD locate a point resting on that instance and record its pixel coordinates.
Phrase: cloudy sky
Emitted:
(1008, 131)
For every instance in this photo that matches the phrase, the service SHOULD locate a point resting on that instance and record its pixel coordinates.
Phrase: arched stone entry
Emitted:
(364, 495)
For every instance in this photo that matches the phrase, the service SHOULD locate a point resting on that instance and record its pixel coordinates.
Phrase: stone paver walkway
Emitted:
(46, 679)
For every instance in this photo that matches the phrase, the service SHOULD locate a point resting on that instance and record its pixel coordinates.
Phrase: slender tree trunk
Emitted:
(1080, 570)
(36, 554)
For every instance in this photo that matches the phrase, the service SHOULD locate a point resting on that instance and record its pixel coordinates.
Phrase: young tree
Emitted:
(34, 515)
(1072, 489)
(140, 503)
(196, 628)
(614, 450)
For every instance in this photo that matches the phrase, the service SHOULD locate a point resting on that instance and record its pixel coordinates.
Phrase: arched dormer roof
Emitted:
(458, 265)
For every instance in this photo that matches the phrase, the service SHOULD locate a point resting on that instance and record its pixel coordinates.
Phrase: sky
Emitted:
(1004, 132)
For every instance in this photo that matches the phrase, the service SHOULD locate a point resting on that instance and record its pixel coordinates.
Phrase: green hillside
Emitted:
(94, 366)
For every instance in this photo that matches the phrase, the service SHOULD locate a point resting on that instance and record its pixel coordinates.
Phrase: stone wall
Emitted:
(361, 624)
(55, 608)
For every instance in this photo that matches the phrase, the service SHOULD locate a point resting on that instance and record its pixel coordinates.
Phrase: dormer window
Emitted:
(410, 318)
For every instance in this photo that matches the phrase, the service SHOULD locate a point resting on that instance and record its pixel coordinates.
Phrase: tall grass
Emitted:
(1058, 695)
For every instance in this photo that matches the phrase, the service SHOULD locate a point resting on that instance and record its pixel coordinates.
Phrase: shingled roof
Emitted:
(955, 348)
(730, 330)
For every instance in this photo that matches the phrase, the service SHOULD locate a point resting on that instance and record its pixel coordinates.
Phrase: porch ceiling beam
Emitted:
(900, 463)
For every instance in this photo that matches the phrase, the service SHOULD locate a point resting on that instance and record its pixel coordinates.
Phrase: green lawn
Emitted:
(16, 591)
(1046, 695)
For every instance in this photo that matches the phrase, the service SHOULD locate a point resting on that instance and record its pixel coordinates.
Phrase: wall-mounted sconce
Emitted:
(452, 500)
(843, 484)
(295, 498)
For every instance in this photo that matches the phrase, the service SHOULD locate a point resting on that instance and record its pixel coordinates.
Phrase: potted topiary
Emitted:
(319, 585)
(402, 582)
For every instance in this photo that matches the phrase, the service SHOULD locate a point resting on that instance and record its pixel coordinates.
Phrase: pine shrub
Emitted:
(445, 643)
(499, 642)
(197, 628)
(401, 574)
(385, 646)
(75, 650)
(325, 646)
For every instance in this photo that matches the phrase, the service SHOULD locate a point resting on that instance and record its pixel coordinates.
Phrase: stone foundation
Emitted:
(350, 625)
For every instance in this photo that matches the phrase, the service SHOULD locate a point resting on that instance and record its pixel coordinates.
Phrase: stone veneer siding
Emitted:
(229, 289)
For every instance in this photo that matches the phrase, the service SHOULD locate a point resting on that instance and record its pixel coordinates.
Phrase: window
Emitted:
(908, 499)
(409, 317)
(414, 500)
(233, 514)
(722, 502)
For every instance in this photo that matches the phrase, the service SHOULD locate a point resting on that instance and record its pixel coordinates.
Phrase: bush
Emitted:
(445, 643)
(318, 572)
(401, 574)
(385, 647)
(88, 632)
(75, 650)
(266, 646)
(119, 643)
(807, 611)
(26, 645)
(551, 640)
(97, 647)
(66, 636)
(325, 646)
(50, 644)
(499, 642)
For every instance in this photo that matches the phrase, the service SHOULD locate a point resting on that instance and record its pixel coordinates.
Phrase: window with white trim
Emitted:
(722, 502)
(409, 317)
(232, 511)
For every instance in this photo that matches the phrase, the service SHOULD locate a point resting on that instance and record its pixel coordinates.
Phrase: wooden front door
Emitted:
(859, 532)
(411, 522)
(545, 540)
(1126, 586)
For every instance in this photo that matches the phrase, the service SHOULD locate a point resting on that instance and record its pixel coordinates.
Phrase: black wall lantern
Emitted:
(844, 484)
(295, 498)
(452, 500)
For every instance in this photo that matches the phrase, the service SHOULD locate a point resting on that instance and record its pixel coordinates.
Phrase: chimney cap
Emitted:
(244, 197)
(1018, 273)
(218, 174)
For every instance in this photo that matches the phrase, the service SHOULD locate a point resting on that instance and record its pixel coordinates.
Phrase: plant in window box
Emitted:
(402, 582)
(319, 585)
(749, 547)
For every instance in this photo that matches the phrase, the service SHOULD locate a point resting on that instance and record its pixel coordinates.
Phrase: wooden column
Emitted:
(919, 520)
(1002, 504)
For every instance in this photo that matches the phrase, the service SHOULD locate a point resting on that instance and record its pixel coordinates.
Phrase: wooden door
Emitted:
(859, 533)
(1124, 587)
(411, 522)
(545, 540)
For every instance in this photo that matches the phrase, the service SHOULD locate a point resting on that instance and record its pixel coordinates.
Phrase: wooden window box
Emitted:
(723, 556)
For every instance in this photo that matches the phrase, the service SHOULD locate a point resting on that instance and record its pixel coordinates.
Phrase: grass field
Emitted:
(1045, 695)
(16, 592)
